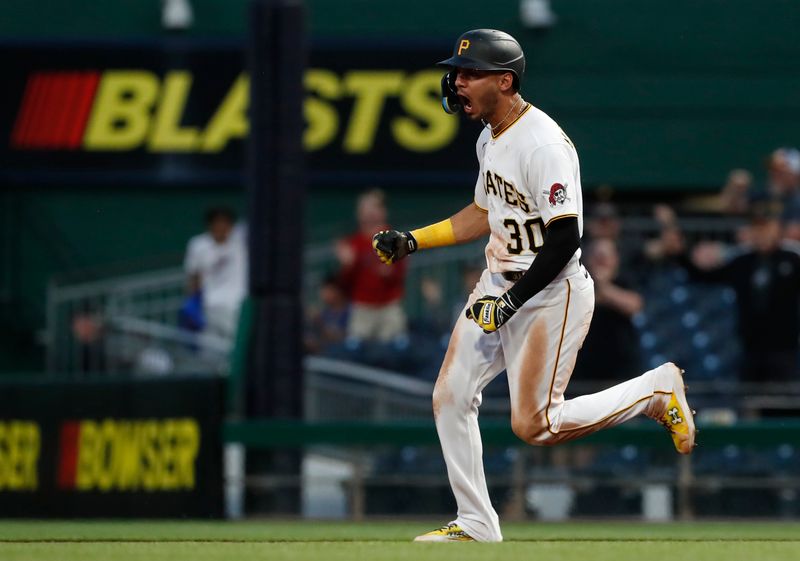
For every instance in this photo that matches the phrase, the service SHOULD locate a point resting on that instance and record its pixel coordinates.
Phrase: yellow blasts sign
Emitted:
(114, 112)
(130, 109)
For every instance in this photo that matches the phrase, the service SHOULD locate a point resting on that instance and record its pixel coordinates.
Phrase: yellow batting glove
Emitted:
(491, 312)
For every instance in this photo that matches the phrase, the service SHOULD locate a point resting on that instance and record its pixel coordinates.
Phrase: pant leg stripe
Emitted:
(558, 356)
(615, 413)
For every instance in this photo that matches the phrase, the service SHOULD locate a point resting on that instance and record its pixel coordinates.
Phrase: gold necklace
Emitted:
(497, 126)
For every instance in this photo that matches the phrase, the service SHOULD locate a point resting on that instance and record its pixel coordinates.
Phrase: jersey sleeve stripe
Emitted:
(559, 218)
(479, 207)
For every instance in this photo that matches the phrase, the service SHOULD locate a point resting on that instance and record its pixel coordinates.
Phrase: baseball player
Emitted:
(531, 309)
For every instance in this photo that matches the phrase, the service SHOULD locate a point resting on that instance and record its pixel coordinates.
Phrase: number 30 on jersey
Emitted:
(528, 236)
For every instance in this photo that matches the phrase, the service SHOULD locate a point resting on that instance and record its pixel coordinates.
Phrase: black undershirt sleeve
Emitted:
(562, 240)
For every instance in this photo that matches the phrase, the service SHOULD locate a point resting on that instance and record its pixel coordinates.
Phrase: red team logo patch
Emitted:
(558, 194)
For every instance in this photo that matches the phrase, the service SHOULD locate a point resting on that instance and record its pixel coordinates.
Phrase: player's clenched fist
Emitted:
(490, 312)
(391, 245)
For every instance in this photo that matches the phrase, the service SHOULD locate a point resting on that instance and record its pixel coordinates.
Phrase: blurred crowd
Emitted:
(712, 282)
(741, 244)
(758, 258)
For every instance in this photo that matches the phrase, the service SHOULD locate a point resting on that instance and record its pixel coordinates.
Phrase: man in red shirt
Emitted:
(375, 290)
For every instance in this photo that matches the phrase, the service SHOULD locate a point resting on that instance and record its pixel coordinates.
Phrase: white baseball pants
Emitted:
(538, 348)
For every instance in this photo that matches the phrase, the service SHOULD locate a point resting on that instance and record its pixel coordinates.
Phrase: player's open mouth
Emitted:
(465, 103)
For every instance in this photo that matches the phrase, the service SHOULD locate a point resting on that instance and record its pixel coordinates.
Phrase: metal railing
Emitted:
(94, 326)
(337, 390)
(342, 391)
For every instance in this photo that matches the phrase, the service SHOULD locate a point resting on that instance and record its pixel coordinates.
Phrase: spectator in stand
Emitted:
(605, 223)
(783, 175)
(216, 269)
(375, 290)
(734, 197)
(88, 331)
(328, 324)
(766, 279)
(611, 348)
(783, 187)
(435, 311)
(670, 242)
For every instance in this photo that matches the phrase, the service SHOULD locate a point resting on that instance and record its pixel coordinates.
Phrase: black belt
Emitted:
(513, 276)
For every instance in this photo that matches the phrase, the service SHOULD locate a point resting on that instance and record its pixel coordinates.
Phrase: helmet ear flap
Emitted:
(450, 102)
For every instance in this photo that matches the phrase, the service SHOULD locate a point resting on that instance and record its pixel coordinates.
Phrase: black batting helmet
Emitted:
(482, 49)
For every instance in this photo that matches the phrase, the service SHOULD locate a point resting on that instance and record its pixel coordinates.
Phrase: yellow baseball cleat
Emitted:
(679, 417)
(450, 533)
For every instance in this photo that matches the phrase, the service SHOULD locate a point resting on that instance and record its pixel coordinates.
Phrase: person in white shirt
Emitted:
(534, 301)
(216, 267)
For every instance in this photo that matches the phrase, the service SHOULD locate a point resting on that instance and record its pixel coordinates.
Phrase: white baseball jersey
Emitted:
(529, 177)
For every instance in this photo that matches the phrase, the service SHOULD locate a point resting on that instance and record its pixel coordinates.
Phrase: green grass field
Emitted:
(328, 541)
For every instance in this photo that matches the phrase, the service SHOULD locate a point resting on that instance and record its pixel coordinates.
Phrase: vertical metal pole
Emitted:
(276, 204)
(515, 509)
(358, 495)
(52, 329)
(685, 481)
(276, 59)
